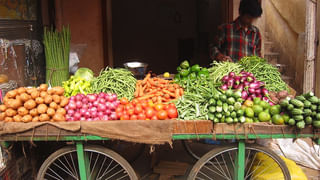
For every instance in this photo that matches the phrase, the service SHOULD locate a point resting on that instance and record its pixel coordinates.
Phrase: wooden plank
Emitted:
(189, 126)
(310, 47)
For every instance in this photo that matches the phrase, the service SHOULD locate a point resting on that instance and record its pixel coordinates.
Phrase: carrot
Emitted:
(146, 97)
(159, 100)
(181, 92)
(167, 96)
(177, 93)
(168, 92)
(140, 91)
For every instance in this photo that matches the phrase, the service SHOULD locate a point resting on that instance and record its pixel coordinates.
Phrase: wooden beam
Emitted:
(107, 32)
(317, 85)
(59, 16)
(310, 47)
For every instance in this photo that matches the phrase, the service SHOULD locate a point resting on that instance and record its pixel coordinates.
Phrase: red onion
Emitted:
(79, 104)
(108, 104)
(117, 102)
(246, 83)
(114, 97)
(71, 112)
(107, 112)
(101, 95)
(265, 99)
(271, 103)
(253, 96)
(102, 101)
(72, 105)
(249, 98)
(259, 96)
(224, 87)
(77, 116)
(258, 91)
(78, 97)
(240, 87)
(251, 90)
(92, 98)
(232, 74)
(230, 83)
(83, 111)
(100, 114)
(113, 116)
(84, 100)
(244, 94)
(96, 119)
(265, 91)
(109, 98)
(87, 114)
(66, 107)
(93, 110)
(101, 107)
(82, 119)
(254, 85)
(105, 118)
(225, 79)
(90, 105)
(89, 119)
(72, 98)
(95, 104)
(113, 106)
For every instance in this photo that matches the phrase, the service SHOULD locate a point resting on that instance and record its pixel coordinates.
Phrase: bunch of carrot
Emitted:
(156, 89)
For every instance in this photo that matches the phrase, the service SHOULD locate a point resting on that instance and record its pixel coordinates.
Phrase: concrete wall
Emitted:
(285, 24)
(85, 20)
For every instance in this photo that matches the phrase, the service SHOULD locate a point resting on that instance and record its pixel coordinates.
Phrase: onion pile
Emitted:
(92, 107)
(249, 86)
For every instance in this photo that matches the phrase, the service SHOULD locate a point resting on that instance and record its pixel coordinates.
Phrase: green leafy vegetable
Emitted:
(220, 69)
(84, 73)
(76, 85)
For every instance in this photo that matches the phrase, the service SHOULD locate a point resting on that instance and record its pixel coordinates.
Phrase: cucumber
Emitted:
(237, 106)
(216, 96)
(314, 107)
(308, 120)
(231, 108)
(301, 98)
(316, 124)
(212, 109)
(290, 107)
(313, 100)
(219, 109)
(297, 103)
(308, 95)
(242, 119)
(296, 111)
(227, 114)
(229, 93)
(307, 104)
(307, 112)
(231, 101)
(212, 102)
(216, 120)
(301, 124)
(225, 107)
(233, 114)
(223, 98)
(284, 103)
(229, 120)
(218, 115)
(298, 118)
(318, 116)
(235, 120)
(314, 114)
(211, 116)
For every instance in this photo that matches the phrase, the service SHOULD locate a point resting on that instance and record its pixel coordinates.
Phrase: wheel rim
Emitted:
(222, 165)
(100, 166)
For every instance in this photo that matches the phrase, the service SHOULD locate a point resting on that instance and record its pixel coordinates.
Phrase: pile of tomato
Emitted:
(145, 110)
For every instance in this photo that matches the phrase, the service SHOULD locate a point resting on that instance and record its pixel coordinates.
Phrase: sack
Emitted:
(265, 168)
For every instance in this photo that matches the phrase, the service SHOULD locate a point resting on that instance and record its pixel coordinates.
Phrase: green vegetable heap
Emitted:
(117, 81)
(79, 83)
(185, 72)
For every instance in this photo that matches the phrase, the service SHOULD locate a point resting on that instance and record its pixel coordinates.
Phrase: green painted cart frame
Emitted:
(79, 142)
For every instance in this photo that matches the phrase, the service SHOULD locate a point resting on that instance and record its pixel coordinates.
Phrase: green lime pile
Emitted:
(226, 107)
(304, 110)
(261, 111)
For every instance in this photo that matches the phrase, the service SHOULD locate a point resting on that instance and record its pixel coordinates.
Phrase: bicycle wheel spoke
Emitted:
(73, 172)
(248, 171)
(121, 170)
(247, 160)
(67, 169)
(224, 173)
(212, 171)
(212, 163)
(205, 175)
(104, 160)
(122, 177)
(110, 170)
(261, 172)
(76, 172)
(232, 160)
(94, 165)
(52, 176)
(55, 173)
(197, 178)
(225, 164)
(62, 169)
(254, 169)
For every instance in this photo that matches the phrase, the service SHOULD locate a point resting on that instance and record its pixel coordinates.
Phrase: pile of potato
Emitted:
(34, 105)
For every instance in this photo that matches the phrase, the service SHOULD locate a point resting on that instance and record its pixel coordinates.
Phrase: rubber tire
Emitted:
(101, 149)
(216, 151)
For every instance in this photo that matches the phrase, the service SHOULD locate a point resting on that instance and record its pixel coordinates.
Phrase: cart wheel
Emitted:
(220, 162)
(102, 164)
(196, 149)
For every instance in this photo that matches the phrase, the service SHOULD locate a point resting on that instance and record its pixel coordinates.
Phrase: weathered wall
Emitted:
(85, 20)
(285, 24)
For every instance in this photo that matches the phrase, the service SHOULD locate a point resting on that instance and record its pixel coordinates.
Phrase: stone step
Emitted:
(272, 57)
(268, 46)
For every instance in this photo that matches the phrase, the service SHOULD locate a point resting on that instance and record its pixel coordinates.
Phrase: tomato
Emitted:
(134, 117)
(162, 115)
(158, 107)
(124, 101)
(166, 107)
(119, 114)
(138, 109)
(154, 118)
(130, 111)
(144, 104)
(172, 105)
(142, 116)
(119, 109)
(129, 106)
(172, 112)
(150, 103)
(125, 117)
(150, 112)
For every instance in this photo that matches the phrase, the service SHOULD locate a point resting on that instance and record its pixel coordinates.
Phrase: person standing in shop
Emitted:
(239, 38)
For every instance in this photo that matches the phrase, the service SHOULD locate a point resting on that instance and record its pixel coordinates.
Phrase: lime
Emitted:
(277, 119)
(166, 75)
(291, 122)
(256, 100)
(256, 120)
(274, 110)
(249, 112)
(286, 118)
(264, 117)
(229, 120)
(249, 120)
(264, 104)
(257, 109)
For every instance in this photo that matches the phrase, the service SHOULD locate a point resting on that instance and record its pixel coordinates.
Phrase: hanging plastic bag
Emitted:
(265, 168)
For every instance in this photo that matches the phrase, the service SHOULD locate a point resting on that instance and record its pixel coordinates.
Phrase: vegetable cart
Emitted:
(81, 160)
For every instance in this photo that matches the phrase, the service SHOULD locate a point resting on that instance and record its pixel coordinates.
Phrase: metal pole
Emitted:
(81, 161)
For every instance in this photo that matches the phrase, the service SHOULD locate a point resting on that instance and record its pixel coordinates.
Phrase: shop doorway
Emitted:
(162, 33)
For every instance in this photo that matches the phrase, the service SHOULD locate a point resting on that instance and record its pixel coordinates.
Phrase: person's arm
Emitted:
(216, 47)
(258, 44)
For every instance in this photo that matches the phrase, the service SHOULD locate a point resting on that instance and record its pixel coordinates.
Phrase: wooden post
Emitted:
(107, 32)
(310, 47)
(317, 87)
(59, 16)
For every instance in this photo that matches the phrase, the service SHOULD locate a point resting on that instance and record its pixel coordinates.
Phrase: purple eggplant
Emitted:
(253, 96)
(250, 74)
(249, 99)
(240, 87)
(259, 96)
(249, 79)
(254, 85)
(251, 90)
(235, 86)
(225, 79)
(244, 95)
(243, 79)
(224, 87)
(265, 99)
(232, 74)
(258, 91)
(264, 91)
(230, 83)
(246, 83)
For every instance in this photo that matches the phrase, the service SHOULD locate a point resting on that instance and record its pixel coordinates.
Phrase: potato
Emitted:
(10, 112)
(35, 119)
(56, 98)
(22, 111)
(61, 111)
(43, 94)
(18, 98)
(42, 108)
(43, 87)
(39, 100)
(35, 94)
(51, 112)
(30, 104)
(14, 104)
(3, 108)
(2, 116)
(53, 105)
(48, 99)
(25, 97)
(51, 91)
(64, 102)
(11, 94)
(59, 117)
(17, 118)
(21, 90)
(33, 112)
(27, 118)
(8, 119)
(44, 117)
(58, 90)
(30, 90)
